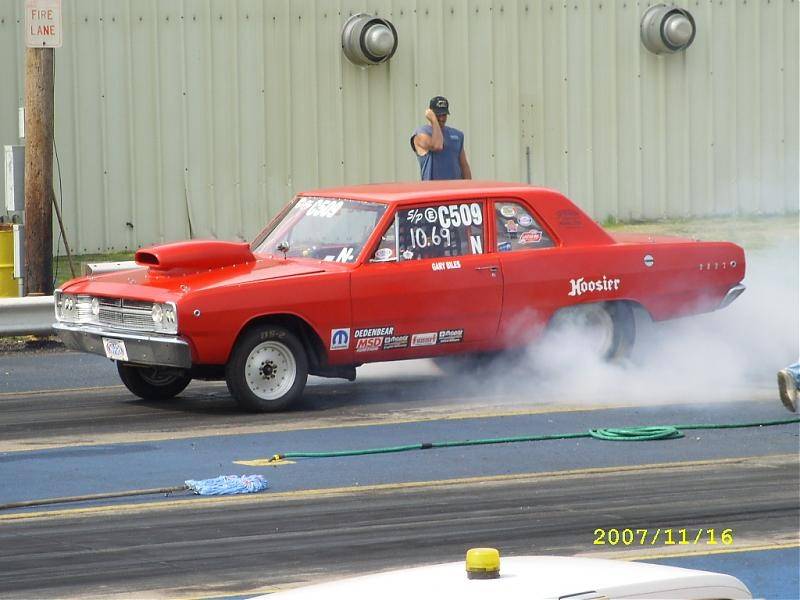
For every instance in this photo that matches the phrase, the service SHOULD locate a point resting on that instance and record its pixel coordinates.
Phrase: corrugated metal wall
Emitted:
(202, 117)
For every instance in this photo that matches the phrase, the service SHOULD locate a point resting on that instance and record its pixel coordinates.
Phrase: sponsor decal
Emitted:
(370, 344)
(430, 215)
(508, 211)
(568, 217)
(393, 342)
(504, 247)
(511, 226)
(446, 265)
(580, 286)
(408, 255)
(340, 339)
(320, 207)
(373, 332)
(424, 339)
(384, 253)
(449, 336)
(525, 220)
(648, 260)
(534, 236)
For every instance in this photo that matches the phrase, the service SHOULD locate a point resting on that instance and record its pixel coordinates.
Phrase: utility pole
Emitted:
(38, 171)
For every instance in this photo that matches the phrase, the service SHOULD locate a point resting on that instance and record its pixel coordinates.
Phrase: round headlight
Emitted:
(158, 313)
(169, 314)
(95, 306)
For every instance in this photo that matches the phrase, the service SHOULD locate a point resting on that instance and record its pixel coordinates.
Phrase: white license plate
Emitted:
(115, 349)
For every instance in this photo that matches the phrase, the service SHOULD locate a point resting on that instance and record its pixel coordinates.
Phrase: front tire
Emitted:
(153, 383)
(267, 370)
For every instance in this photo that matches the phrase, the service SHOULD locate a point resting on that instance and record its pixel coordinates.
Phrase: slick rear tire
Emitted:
(153, 383)
(267, 370)
(607, 328)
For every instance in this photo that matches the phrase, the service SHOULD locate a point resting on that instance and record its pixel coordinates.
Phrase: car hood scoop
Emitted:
(195, 255)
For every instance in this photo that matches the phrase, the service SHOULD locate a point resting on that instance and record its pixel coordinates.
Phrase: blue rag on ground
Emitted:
(227, 484)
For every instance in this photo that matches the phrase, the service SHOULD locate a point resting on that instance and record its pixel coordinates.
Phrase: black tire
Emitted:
(153, 383)
(614, 321)
(267, 370)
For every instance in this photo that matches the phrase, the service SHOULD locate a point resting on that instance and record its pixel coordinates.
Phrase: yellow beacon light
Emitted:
(483, 563)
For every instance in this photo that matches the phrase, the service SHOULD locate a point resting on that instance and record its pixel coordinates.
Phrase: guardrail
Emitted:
(32, 315)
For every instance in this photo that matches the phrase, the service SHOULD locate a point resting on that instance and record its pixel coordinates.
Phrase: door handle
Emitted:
(491, 268)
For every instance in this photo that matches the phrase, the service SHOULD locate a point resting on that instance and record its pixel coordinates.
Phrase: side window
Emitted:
(387, 249)
(517, 229)
(440, 230)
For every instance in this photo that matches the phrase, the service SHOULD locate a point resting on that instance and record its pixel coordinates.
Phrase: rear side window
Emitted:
(517, 229)
(435, 231)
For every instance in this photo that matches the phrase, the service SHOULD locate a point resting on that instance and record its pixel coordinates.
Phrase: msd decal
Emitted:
(581, 286)
(370, 344)
(340, 339)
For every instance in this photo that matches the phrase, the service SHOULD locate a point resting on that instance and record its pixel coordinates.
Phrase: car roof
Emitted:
(533, 577)
(411, 192)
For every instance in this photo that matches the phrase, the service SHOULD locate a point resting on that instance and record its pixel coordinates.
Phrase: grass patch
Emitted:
(61, 270)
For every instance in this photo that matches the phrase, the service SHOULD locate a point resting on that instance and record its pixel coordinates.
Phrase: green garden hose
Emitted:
(625, 434)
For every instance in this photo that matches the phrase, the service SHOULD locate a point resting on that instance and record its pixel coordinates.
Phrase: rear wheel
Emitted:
(153, 383)
(267, 370)
(605, 329)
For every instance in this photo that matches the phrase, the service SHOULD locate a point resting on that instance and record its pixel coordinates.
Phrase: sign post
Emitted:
(42, 34)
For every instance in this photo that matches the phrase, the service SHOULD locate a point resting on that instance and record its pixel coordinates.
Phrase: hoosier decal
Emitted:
(580, 286)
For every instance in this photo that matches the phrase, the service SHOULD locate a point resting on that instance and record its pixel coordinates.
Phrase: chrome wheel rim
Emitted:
(270, 370)
(598, 327)
(594, 325)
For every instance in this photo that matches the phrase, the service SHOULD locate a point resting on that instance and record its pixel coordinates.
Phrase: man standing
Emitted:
(440, 149)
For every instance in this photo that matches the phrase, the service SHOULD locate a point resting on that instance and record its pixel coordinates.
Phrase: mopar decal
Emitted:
(340, 339)
(449, 336)
(581, 286)
(393, 342)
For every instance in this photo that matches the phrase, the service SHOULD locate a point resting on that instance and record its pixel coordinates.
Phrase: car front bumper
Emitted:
(142, 348)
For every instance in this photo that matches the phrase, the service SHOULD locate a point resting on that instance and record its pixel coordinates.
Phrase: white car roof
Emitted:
(532, 578)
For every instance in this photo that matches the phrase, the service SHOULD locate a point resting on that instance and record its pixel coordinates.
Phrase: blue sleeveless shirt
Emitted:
(443, 164)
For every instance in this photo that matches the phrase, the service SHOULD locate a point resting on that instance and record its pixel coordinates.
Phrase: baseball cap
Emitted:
(440, 105)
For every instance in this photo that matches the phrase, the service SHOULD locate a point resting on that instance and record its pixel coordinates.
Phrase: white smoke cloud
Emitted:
(730, 354)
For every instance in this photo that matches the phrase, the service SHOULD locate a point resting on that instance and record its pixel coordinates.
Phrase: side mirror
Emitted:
(283, 247)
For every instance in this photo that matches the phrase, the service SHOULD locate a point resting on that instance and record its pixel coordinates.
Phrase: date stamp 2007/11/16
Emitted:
(666, 536)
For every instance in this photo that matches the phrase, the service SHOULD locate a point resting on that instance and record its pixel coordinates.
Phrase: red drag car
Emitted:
(351, 275)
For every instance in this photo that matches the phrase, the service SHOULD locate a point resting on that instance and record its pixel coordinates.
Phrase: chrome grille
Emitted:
(126, 314)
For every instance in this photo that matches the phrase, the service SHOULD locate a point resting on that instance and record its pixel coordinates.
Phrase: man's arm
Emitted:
(424, 143)
(466, 172)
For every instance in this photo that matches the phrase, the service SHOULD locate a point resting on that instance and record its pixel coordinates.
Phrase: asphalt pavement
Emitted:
(67, 428)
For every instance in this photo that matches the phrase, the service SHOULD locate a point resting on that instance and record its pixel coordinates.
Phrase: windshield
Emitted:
(330, 229)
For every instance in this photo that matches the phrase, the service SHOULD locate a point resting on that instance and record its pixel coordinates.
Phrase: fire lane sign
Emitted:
(43, 23)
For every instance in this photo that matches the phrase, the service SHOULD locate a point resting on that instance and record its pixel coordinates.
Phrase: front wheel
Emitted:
(267, 370)
(605, 329)
(153, 383)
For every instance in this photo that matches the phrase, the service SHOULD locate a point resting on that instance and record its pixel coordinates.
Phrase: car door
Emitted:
(430, 287)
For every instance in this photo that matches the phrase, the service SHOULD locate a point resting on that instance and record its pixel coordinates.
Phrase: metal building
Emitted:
(178, 118)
